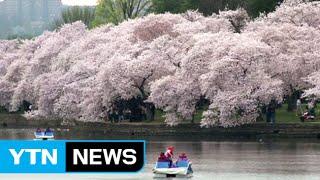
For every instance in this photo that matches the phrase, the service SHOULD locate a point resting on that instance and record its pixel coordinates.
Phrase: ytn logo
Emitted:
(32, 153)
(59, 156)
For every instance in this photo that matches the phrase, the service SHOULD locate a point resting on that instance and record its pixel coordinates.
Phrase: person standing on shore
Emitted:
(30, 108)
(299, 107)
(311, 107)
(271, 112)
(112, 114)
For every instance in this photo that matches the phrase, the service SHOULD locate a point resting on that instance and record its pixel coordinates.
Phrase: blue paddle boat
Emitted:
(44, 135)
(181, 169)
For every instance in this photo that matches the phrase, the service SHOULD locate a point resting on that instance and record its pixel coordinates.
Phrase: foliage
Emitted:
(73, 14)
(178, 6)
(116, 11)
(256, 7)
(207, 7)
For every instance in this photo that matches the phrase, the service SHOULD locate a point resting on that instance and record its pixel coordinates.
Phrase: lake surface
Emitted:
(212, 159)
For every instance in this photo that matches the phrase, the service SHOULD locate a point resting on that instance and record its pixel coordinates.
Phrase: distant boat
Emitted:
(44, 136)
(181, 169)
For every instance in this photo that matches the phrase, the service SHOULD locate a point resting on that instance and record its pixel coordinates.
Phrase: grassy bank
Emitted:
(286, 129)
(282, 117)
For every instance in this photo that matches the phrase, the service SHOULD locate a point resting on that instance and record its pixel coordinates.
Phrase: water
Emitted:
(212, 159)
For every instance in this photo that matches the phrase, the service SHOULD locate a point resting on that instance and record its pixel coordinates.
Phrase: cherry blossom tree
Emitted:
(228, 73)
(314, 80)
(293, 33)
(74, 73)
(297, 12)
(166, 61)
(238, 18)
(290, 53)
(8, 54)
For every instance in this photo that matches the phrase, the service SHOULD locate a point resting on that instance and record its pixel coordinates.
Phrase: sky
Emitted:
(79, 2)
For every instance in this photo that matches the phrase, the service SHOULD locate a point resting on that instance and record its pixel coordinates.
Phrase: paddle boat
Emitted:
(44, 135)
(180, 169)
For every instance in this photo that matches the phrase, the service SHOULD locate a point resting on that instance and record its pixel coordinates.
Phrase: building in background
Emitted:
(27, 18)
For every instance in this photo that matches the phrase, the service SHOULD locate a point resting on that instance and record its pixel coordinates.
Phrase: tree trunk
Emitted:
(292, 101)
(150, 111)
(192, 119)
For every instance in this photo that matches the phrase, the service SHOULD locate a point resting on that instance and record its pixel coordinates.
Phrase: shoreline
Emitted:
(253, 131)
(146, 129)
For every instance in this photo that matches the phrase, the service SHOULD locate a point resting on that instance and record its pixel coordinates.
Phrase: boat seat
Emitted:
(163, 164)
(182, 163)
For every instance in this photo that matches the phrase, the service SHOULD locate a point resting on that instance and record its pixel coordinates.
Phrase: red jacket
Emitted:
(169, 152)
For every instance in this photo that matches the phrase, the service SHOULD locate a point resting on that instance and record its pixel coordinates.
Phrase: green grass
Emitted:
(159, 116)
(282, 116)
(5, 117)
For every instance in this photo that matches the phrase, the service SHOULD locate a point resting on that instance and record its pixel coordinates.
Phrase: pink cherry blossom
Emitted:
(170, 61)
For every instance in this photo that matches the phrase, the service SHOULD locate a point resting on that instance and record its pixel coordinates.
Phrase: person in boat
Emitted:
(162, 158)
(183, 157)
(48, 131)
(169, 155)
(38, 130)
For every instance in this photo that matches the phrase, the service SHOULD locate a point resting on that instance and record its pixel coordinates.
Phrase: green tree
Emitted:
(255, 7)
(116, 11)
(177, 6)
(73, 14)
(207, 7)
